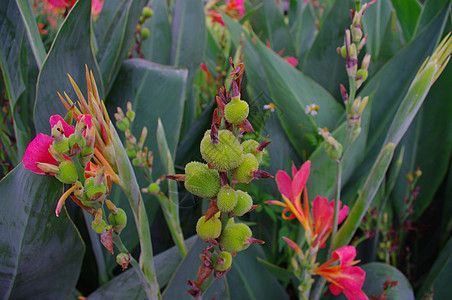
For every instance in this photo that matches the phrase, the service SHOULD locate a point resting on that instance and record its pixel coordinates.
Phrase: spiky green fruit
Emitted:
(201, 181)
(244, 203)
(227, 154)
(243, 172)
(249, 146)
(224, 261)
(234, 237)
(236, 111)
(67, 173)
(226, 199)
(210, 229)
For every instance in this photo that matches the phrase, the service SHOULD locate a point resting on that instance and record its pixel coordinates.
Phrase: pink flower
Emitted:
(292, 61)
(344, 277)
(216, 17)
(96, 7)
(322, 214)
(38, 150)
(206, 71)
(232, 5)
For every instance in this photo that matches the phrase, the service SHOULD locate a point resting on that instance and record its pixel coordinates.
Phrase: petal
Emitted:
(352, 280)
(88, 120)
(284, 184)
(322, 214)
(38, 151)
(345, 254)
(68, 130)
(356, 296)
(292, 244)
(342, 214)
(300, 179)
(276, 202)
(335, 290)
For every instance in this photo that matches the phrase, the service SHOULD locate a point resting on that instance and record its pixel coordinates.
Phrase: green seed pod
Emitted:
(344, 51)
(119, 220)
(73, 139)
(362, 73)
(201, 181)
(210, 229)
(225, 262)
(242, 173)
(62, 146)
(224, 156)
(91, 189)
(131, 153)
(236, 111)
(144, 33)
(334, 153)
(122, 258)
(244, 203)
(154, 188)
(226, 199)
(67, 172)
(234, 236)
(147, 12)
(99, 228)
(249, 146)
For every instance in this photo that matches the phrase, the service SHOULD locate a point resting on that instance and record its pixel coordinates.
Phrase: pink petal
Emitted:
(345, 254)
(88, 120)
(284, 184)
(68, 130)
(356, 296)
(352, 280)
(300, 179)
(322, 213)
(342, 213)
(335, 290)
(38, 151)
(59, 3)
(292, 244)
(292, 61)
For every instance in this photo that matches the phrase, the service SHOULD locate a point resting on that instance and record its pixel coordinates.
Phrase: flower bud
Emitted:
(74, 139)
(123, 260)
(131, 153)
(226, 199)
(210, 229)
(333, 148)
(343, 51)
(236, 111)
(99, 227)
(234, 237)
(357, 33)
(62, 146)
(201, 181)
(224, 261)
(243, 172)
(94, 190)
(154, 188)
(244, 203)
(250, 146)
(67, 173)
(118, 220)
(227, 154)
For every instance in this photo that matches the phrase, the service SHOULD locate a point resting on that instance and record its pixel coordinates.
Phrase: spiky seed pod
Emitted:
(201, 181)
(225, 262)
(227, 154)
(236, 111)
(249, 146)
(234, 236)
(67, 172)
(210, 229)
(244, 203)
(242, 173)
(226, 199)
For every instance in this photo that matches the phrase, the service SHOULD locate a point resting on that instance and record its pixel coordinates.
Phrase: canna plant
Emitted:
(340, 115)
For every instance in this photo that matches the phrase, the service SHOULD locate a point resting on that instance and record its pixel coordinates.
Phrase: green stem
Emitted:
(337, 201)
(97, 251)
(318, 288)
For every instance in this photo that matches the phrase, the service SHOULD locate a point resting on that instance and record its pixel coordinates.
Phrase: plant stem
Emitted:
(337, 201)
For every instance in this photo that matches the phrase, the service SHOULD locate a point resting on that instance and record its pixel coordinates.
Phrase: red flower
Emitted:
(291, 61)
(322, 214)
(344, 277)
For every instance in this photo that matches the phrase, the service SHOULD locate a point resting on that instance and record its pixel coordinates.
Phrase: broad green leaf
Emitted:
(365, 197)
(446, 222)
(249, 279)
(115, 42)
(322, 63)
(188, 40)
(69, 54)
(375, 21)
(378, 273)
(156, 47)
(408, 13)
(429, 12)
(274, 28)
(127, 285)
(34, 240)
(32, 31)
(303, 29)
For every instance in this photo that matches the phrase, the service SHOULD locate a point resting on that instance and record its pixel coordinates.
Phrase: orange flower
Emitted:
(344, 277)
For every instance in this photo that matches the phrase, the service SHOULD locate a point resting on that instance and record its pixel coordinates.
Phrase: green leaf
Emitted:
(322, 63)
(157, 46)
(69, 54)
(408, 13)
(430, 11)
(32, 31)
(115, 42)
(34, 240)
(365, 197)
(188, 32)
(303, 29)
(378, 273)
(375, 21)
